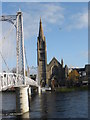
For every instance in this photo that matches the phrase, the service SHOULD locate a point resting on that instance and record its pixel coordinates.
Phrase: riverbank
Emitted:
(60, 89)
(71, 89)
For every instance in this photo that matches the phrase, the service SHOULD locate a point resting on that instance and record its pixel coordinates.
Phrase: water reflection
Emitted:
(24, 116)
(60, 105)
(52, 105)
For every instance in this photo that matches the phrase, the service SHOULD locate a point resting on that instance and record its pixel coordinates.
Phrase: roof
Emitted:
(55, 60)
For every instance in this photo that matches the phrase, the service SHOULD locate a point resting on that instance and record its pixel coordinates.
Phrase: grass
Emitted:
(65, 89)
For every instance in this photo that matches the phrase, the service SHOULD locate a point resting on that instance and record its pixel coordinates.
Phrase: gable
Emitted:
(53, 62)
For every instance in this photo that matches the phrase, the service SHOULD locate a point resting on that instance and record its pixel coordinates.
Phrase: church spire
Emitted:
(41, 35)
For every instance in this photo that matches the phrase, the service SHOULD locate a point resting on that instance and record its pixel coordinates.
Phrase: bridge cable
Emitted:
(4, 38)
(4, 61)
(26, 57)
(28, 70)
(8, 33)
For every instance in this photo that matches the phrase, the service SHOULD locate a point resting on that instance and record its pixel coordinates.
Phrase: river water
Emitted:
(49, 105)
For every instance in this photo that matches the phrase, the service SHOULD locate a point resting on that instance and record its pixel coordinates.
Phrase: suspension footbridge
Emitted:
(18, 80)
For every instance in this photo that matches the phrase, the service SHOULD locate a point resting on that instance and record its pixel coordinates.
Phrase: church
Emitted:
(54, 73)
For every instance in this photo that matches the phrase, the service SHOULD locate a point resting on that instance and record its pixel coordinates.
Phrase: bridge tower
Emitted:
(22, 103)
(17, 21)
(20, 46)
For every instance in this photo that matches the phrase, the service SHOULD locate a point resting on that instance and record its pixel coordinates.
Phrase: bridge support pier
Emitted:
(22, 100)
(39, 90)
(30, 91)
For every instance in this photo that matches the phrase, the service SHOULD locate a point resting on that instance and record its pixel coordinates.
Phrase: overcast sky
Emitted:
(65, 27)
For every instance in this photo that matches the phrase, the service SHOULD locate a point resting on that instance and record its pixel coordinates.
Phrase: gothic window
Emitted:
(55, 70)
(42, 56)
(42, 45)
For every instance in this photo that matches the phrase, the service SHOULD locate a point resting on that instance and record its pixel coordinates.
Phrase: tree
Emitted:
(73, 78)
(73, 75)
(13, 70)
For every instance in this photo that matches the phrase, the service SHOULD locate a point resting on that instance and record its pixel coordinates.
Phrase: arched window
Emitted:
(54, 70)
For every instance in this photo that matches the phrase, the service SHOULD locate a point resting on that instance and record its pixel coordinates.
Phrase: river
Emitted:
(49, 105)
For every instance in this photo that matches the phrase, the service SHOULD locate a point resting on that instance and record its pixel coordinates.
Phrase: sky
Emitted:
(45, 0)
(65, 26)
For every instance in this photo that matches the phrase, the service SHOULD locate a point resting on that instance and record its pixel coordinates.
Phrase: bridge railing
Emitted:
(31, 82)
(8, 80)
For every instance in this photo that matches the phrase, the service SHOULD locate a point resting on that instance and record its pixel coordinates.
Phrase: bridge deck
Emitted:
(8, 80)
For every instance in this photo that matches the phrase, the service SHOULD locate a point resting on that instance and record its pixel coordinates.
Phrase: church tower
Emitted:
(41, 56)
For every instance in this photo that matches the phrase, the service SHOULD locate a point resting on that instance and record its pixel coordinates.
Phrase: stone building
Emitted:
(87, 69)
(55, 73)
(52, 74)
(41, 56)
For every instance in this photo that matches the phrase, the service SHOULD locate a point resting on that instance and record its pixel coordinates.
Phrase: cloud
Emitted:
(50, 13)
(30, 25)
(78, 21)
(53, 14)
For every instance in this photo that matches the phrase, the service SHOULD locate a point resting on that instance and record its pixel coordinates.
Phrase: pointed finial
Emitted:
(62, 62)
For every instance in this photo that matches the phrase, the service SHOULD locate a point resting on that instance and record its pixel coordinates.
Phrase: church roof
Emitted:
(55, 60)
